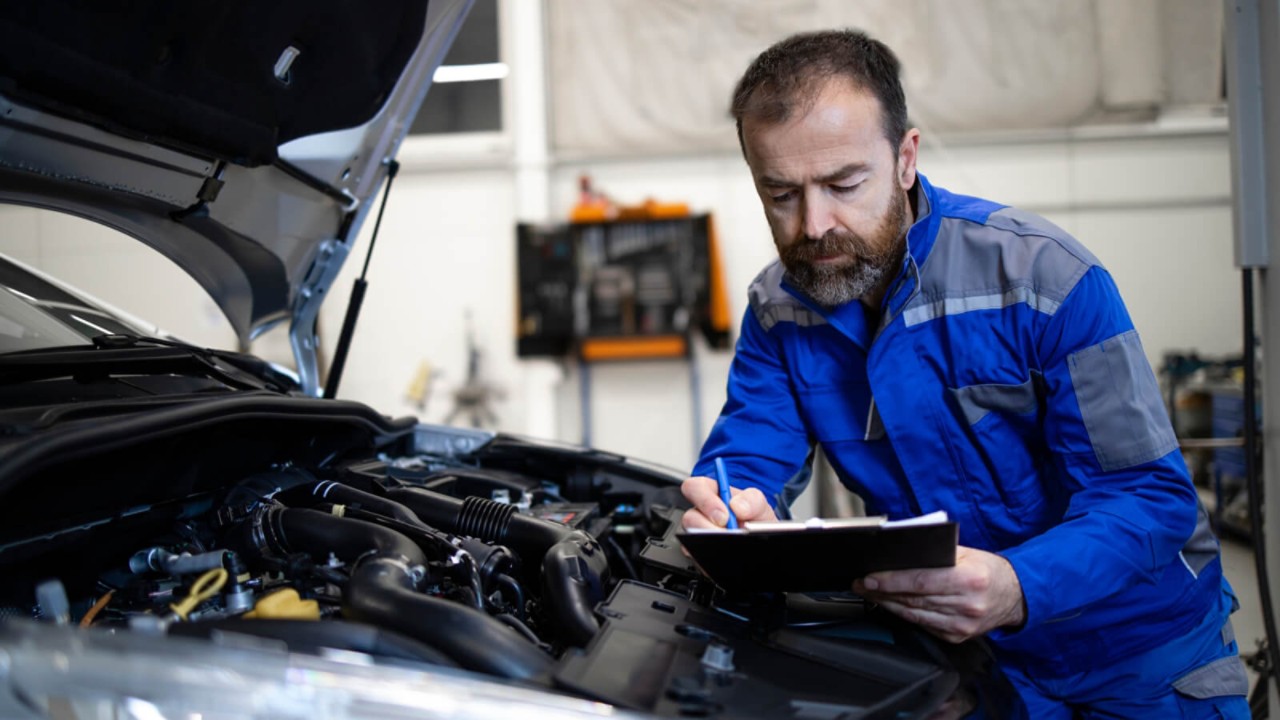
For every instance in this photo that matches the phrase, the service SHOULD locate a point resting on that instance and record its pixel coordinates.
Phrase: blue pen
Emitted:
(722, 479)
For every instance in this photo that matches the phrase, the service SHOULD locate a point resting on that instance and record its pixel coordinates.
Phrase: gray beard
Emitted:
(833, 286)
(837, 286)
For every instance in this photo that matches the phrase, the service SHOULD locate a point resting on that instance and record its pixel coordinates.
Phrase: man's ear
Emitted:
(907, 152)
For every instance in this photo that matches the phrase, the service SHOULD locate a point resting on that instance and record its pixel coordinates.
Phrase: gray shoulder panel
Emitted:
(1021, 222)
(1015, 257)
(771, 304)
(1120, 403)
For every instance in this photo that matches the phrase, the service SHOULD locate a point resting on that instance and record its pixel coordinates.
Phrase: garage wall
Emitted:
(1152, 203)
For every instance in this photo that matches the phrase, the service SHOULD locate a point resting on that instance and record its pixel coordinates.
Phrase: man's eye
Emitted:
(845, 189)
(783, 197)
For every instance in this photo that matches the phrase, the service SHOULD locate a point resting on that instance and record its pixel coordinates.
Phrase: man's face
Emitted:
(834, 192)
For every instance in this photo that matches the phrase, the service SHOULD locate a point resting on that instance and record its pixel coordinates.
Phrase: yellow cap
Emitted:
(285, 605)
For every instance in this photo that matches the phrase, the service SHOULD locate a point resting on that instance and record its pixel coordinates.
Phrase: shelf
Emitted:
(1209, 443)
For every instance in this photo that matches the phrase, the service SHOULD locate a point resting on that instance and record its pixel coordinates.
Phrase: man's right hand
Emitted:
(709, 512)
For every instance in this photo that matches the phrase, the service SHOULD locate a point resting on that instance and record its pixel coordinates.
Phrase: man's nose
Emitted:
(818, 215)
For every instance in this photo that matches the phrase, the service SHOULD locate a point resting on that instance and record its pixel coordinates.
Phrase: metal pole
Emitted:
(1253, 92)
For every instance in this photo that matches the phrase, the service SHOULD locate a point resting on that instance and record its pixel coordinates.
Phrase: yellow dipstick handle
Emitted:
(205, 587)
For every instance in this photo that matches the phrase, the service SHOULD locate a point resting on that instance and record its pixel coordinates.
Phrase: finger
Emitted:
(704, 494)
(938, 581)
(695, 519)
(969, 574)
(750, 505)
(964, 605)
(698, 490)
(948, 627)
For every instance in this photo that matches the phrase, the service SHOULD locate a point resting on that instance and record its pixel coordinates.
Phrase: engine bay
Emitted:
(535, 564)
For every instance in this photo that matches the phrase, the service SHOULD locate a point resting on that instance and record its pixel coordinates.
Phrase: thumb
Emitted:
(750, 504)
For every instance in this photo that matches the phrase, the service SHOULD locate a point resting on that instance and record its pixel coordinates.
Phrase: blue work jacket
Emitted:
(1003, 383)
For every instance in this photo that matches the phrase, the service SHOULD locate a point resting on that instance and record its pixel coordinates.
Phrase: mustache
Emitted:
(833, 242)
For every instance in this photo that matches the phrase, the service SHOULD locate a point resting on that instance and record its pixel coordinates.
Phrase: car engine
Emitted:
(321, 526)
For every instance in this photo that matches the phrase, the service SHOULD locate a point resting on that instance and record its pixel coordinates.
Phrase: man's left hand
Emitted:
(980, 593)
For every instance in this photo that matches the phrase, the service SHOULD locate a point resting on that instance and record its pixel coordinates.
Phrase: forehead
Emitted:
(841, 125)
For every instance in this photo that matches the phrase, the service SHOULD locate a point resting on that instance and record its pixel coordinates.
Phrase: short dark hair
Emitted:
(788, 75)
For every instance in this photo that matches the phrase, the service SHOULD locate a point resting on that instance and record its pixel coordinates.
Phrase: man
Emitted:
(949, 353)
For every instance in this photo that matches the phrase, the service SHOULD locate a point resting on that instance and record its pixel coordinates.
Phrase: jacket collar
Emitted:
(920, 240)
(924, 230)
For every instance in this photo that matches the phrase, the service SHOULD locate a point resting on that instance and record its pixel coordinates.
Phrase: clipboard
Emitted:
(819, 555)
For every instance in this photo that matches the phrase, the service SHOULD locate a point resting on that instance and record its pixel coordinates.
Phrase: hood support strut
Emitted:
(357, 296)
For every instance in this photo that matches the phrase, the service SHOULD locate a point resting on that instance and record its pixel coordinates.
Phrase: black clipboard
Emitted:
(815, 557)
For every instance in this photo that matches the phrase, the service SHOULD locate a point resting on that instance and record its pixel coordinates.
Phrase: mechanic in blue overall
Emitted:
(951, 353)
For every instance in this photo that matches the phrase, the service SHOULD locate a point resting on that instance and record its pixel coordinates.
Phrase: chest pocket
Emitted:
(1004, 460)
(834, 413)
(977, 401)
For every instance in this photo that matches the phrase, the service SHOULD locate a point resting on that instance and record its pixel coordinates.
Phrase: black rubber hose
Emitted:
(474, 583)
(428, 538)
(310, 636)
(574, 565)
(329, 491)
(510, 586)
(623, 559)
(483, 563)
(484, 519)
(518, 625)
(317, 533)
(573, 575)
(382, 592)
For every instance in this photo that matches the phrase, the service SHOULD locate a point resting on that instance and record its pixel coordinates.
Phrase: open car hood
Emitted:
(244, 141)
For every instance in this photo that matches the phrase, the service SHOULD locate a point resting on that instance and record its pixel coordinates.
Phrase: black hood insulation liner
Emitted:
(236, 78)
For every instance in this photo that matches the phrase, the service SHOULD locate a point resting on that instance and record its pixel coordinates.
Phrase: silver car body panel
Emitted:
(265, 242)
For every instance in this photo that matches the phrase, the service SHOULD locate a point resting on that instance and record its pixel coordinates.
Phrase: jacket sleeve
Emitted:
(759, 433)
(1131, 505)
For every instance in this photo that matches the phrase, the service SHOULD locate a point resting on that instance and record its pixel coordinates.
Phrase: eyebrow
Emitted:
(840, 174)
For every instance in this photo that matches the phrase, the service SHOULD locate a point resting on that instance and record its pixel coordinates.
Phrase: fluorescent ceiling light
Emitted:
(471, 73)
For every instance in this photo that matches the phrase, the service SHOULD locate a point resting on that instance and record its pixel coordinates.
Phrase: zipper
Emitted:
(886, 317)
